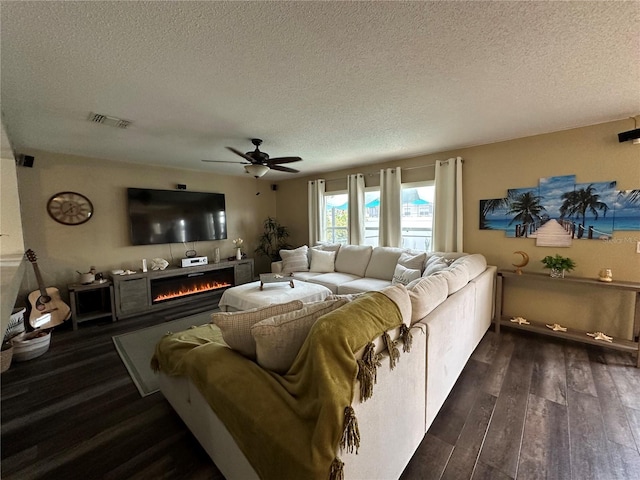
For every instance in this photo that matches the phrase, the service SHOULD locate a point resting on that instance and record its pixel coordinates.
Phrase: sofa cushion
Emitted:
(295, 260)
(434, 264)
(426, 293)
(346, 296)
(456, 276)
(403, 275)
(400, 296)
(353, 259)
(278, 339)
(305, 276)
(475, 264)
(322, 261)
(236, 326)
(413, 260)
(361, 285)
(332, 280)
(382, 263)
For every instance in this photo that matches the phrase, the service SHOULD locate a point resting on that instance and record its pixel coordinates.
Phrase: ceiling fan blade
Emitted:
(243, 155)
(284, 160)
(283, 169)
(225, 161)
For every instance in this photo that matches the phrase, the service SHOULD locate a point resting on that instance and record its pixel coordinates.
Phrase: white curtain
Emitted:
(315, 189)
(447, 224)
(355, 190)
(390, 208)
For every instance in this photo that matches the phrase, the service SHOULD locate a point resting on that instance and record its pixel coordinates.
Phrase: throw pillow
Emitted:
(295, 260)
(322, 262)
(415, 262)
(279, 339)
(236, 326)
(403, 275)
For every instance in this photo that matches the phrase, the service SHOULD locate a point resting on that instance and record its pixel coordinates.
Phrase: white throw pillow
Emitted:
(415, 262)
(322, 262)
(279, 339)
(403, 275)
(295, 260)
(236, 326)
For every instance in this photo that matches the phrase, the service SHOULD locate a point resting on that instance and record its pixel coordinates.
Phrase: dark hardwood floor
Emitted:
(524, 407)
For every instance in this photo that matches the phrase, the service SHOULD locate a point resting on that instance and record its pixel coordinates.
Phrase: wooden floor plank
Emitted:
(498, 368)
(579, 376)
(545, 442)
(633, 417)
(501, 448)
(549, 378)
(486, 472)
(627, 380)
(625, 462)
(589, 447)
(614, 416)
(487, 348)
(429, 461)
(465, 454)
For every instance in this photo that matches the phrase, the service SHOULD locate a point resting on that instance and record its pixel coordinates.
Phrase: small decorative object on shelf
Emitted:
(600, 336)
(605, 275)
(556, 327)
(159, 264)
(238, 243)
(523, 263)
(558, 265)
(520, 321)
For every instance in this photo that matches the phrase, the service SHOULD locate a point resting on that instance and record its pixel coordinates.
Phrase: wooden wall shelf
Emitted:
(540, 327)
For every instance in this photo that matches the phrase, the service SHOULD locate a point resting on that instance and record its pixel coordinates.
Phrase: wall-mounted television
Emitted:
(175, 216)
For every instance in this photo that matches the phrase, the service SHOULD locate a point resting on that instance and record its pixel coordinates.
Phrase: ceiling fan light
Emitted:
(256, 170)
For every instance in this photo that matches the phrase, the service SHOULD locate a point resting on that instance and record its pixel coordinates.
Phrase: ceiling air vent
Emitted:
(107, 120)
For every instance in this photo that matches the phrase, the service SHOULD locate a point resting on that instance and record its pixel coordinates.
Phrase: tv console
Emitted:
(145, 292)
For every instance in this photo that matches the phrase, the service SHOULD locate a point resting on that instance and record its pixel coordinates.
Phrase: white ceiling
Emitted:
(337, 83)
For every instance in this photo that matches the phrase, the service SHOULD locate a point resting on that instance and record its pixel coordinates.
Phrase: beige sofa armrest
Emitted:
(276, 267)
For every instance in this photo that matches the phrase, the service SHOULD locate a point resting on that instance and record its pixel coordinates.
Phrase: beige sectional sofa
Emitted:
(451, 309)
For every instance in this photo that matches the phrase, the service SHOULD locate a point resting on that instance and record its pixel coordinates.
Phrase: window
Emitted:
(416, 210)
(417, 218)
(336, 218)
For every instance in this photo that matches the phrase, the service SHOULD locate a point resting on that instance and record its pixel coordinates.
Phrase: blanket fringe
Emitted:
(337, 470)
(350, 431)
(155, 365)
(407, 338)
(392, 347)
(368, 371)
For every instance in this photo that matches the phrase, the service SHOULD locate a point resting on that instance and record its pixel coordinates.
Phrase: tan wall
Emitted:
(103, 241)
(592, 153)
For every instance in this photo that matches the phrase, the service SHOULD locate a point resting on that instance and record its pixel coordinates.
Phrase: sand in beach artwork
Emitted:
(558, 210)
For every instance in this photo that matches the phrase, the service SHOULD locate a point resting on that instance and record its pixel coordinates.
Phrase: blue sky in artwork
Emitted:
(551, 191)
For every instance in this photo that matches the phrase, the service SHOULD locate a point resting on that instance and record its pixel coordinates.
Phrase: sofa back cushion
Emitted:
(353, 259)
(295, 260)
(236, 326)
(426, 294)
(322, 261)
(279, 339)
(400, 296)
(474, 263)
(456, 276)
(383, 262)
(434, 264)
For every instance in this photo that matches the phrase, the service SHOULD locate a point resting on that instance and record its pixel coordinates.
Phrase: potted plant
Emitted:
(558, 265)
(273, 239)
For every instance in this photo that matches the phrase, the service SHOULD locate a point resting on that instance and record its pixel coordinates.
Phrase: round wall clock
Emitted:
(70, 208)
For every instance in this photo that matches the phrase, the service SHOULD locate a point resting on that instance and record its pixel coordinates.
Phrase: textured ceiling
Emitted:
(337, 83)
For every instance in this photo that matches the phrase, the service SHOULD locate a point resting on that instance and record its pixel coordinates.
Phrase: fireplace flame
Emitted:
(182, 292)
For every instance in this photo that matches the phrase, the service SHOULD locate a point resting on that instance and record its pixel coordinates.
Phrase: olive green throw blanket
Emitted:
(288, 426)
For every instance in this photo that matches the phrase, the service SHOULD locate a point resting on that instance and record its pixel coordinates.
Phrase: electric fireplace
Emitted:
(191, 285)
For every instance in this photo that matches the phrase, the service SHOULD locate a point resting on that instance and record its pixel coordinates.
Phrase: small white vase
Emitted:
(557, 273)
(238, 254)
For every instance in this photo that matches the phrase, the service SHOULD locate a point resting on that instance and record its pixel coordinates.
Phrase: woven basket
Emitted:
(5, 357)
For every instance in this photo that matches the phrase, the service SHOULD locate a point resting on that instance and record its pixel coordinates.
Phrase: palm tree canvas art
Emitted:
(560, 210)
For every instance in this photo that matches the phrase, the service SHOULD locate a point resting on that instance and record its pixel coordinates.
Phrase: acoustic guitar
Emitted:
(47, 308)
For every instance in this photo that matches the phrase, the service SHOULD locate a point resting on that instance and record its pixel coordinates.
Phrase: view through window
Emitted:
(416, 211)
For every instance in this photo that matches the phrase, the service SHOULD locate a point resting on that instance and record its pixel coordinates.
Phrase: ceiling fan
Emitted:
(258, 163)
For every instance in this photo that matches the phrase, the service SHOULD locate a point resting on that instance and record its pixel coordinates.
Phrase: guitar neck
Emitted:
(41, 287)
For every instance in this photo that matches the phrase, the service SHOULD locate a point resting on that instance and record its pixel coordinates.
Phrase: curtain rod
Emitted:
(371, 174)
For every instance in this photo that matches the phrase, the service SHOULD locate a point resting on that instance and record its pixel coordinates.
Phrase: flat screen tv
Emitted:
(175, 216)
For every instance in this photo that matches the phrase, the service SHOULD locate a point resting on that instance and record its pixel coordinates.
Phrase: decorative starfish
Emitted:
(520, 321)
(557, 327)
(601, 336)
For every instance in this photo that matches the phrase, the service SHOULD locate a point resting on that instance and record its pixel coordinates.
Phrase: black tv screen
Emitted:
(175, 216)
